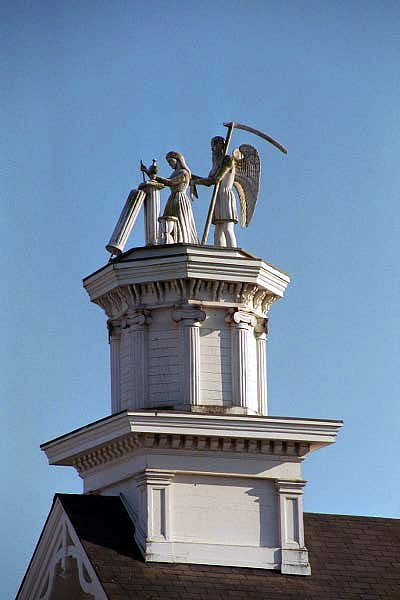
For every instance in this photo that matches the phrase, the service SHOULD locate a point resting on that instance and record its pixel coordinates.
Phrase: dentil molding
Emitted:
(130, 444)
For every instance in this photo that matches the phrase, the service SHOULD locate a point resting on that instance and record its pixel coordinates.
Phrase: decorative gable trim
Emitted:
(57, 545)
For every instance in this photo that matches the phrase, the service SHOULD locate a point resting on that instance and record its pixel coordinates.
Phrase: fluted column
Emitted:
(135, 384)
(114, 338)
(151, 211)
(190, 318)
(240, 323)
(125, 222)
(261, 332)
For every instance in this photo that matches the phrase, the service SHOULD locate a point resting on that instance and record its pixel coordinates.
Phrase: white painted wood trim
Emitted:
(241, 326)
(190, 318)
(294, 555)
(260, 332)
(114, 328)
(316, 433)
(58, 542)
(183, 261)
(155, 517)
(135, 389)
(213, 554)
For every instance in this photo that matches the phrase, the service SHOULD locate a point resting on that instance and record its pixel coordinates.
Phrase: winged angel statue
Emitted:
(241, 170)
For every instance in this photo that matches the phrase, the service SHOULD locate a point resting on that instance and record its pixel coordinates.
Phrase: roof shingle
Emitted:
(351, 557)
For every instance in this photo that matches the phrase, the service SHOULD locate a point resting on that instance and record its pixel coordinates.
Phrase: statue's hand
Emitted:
(193, 189)
(162, 180)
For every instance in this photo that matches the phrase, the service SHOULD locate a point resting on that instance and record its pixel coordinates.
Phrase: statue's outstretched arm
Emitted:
(162, 180)
(169, 182)
(203, 180)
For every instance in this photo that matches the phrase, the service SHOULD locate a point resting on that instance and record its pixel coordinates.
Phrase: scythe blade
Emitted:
(259, 133)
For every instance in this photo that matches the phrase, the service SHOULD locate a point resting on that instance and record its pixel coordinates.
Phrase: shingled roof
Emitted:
(351, 557)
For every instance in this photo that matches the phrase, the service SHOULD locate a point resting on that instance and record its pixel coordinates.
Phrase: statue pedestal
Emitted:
(187, 327)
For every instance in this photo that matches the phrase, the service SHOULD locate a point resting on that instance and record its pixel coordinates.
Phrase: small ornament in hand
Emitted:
(151, 171)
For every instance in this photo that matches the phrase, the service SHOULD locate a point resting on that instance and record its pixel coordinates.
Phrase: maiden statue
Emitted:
(178, 204)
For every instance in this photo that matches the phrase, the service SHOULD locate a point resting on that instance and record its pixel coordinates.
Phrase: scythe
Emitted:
(231, 126)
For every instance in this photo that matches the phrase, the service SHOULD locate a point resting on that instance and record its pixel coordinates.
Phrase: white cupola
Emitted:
(205, 474)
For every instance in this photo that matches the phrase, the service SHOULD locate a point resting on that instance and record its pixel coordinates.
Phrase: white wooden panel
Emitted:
(215, 349)
(158, 516)
(225, 511)
(164, 361)
(292, 520)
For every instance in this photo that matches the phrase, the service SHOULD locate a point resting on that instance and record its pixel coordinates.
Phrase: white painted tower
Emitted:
(205, 474)
(187, 327)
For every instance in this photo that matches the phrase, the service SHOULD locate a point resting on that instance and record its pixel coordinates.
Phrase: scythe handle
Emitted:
(216, 187)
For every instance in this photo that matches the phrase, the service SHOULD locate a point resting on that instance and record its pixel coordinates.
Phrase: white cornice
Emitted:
(64, 450)
(163, 263)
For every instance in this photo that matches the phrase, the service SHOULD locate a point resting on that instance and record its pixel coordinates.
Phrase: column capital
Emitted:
(114, 327)
(241, 319)
(288, 487)
(261, 328)
(155, 477)
(190, 316)
(137, 319)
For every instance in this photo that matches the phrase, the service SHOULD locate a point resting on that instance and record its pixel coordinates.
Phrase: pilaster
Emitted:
(154, 500)
(240, 322)
(134, 385)
(294, 556)
(114, 338)
(190, 318)
(261, 332)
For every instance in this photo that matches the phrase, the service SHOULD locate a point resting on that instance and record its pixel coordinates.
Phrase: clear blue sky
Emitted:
(89, 89)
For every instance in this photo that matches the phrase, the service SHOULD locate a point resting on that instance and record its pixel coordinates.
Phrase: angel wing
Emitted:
(247, 180)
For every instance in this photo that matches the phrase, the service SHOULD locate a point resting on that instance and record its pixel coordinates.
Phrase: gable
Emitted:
(60, 568)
